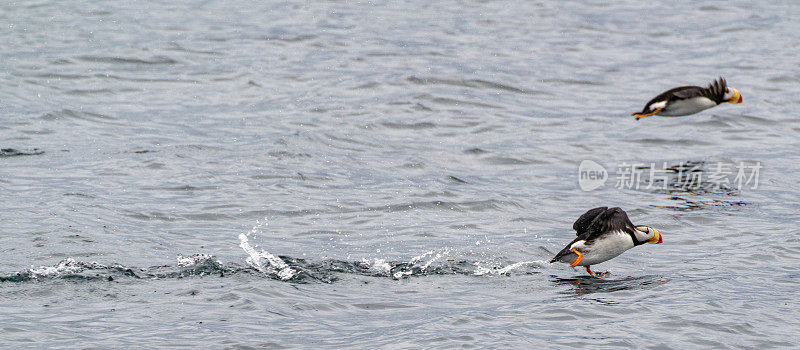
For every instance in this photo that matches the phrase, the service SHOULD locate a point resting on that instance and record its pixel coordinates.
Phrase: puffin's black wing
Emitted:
(613, 219)
(685, 92)
(715, 91)
(585, 220)
(678, 93)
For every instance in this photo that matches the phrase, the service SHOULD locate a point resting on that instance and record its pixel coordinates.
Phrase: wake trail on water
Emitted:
(432, 262)
(283, 268)
(262, 263)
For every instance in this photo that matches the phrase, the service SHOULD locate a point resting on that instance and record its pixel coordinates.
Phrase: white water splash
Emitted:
(438, 256)
(480, 271)
(514, 266)
(378, 265)
(64, 267)
(196, 259)
(416, 266)
(262, 260)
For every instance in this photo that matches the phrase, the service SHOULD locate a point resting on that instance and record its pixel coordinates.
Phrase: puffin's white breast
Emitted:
(605, 248)
(688, 106)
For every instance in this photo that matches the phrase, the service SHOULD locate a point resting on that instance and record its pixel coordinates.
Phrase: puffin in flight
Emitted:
(686, 100)
(603, 234)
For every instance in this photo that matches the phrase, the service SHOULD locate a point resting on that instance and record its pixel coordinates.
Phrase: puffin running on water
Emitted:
(603, 234)
(686, 100)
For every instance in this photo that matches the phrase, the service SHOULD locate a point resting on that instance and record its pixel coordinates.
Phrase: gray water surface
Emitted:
(298, 174)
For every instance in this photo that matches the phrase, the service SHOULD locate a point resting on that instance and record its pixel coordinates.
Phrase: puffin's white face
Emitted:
(649, 234)
(732, 95)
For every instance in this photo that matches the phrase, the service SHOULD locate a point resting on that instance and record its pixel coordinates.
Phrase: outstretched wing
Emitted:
(585, 220)
(716, 90)
(612, 219)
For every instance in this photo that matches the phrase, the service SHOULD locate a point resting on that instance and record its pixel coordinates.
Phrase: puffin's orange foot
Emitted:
(578, 260)
(644, 115)
(597, 274)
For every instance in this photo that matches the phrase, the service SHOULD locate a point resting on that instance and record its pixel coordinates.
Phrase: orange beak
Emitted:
(737, 97)
(657, 239)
